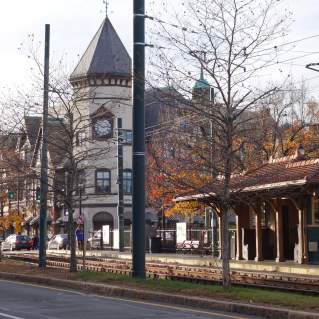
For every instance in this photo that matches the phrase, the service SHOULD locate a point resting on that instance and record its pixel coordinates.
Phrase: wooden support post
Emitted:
(302, 238)
(220, 229)
(239, 241)
(259, 252)
(302, 235)
(305, 237)
(279, 236)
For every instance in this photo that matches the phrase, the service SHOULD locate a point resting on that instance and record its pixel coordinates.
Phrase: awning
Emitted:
(61, 220)
(152, 217)
(27, 221)
(36, 219)
(174, 218)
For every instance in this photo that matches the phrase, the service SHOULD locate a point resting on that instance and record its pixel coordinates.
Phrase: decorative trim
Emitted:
(98, 80)
(95, 205)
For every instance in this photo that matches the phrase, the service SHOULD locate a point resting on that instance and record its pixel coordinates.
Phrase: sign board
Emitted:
(188, 206)
(106, 234)
(116, 239)
(313, 246)
(180, 232)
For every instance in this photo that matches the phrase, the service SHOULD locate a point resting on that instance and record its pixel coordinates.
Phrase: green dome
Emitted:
(201, 83)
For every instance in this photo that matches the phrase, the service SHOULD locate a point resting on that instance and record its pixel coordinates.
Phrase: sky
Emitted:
(74, 22)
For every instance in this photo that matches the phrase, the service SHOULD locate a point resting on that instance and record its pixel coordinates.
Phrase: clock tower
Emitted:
(102, 87)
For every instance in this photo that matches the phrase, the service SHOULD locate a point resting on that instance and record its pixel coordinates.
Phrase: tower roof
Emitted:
(105, 55)
(201, 83)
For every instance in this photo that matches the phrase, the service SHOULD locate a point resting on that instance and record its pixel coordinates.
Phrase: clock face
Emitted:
(103, 127)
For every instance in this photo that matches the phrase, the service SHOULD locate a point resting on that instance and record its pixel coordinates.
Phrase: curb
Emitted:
(159, 297)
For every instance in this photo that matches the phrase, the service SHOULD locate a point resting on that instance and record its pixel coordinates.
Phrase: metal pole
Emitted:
(138, 198)
(18, 194)
(120, 204)
(44, 157)
(82, 219)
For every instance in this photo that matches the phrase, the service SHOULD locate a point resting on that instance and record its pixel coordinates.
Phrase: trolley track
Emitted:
(200, 274)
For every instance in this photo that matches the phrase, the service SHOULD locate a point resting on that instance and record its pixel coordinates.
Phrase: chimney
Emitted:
(300, 152)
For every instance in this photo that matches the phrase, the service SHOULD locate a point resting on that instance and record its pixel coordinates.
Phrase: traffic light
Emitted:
(10, 195)
(38, 193)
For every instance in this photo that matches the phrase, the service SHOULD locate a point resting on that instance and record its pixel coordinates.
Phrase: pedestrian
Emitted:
(35, 242)
(79, 237)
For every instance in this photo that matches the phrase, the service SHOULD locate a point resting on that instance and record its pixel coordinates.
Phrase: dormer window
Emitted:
(102, 124)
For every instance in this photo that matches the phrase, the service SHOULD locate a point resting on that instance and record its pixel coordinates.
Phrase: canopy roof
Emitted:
(277, 174)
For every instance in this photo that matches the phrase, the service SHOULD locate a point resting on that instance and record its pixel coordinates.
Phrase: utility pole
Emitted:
(44, 155)
(138, 198)
(120, 203)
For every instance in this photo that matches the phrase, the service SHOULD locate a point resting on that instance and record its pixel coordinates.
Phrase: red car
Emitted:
(17, 242)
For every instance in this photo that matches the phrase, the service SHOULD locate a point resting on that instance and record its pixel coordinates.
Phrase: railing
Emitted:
(191, 234)
(168, 238)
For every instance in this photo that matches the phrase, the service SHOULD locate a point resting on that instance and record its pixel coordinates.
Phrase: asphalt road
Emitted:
(24, 301)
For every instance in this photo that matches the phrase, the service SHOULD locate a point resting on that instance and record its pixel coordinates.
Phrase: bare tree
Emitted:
(230, 41)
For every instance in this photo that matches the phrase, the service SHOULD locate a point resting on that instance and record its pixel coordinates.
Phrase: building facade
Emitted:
(102, 85)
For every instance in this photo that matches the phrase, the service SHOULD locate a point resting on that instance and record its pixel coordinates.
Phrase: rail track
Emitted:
(267, 280)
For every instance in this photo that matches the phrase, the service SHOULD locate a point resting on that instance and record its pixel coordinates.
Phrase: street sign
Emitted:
(181, 232)
(80, 220)
(106, 234)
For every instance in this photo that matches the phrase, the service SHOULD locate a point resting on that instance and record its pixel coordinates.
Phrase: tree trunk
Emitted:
(226, 207)
(225, 247)
(73, 261)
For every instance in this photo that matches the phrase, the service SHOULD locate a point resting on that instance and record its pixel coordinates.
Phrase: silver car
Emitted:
(59, 241)
(94, 242)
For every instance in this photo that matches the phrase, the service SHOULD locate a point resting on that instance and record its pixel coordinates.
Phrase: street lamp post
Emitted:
(120, 203)
(44, 155)
(138, 198)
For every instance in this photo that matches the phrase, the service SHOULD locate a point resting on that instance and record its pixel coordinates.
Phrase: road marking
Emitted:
(9, 316)
(179, 308)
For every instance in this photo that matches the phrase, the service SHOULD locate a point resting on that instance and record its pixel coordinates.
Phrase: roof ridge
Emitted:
(303, 163)
(281, 159)
(99, 30)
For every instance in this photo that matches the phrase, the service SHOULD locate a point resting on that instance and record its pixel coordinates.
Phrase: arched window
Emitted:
(102, 181)
(127, 181)
(102, 218)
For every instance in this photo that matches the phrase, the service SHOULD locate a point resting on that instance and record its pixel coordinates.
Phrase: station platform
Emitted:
(288, 267)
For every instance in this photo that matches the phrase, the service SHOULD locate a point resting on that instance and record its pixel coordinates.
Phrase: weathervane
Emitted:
(106, 6)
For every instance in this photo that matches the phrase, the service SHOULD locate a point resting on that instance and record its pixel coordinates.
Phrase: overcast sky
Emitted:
(74, 22)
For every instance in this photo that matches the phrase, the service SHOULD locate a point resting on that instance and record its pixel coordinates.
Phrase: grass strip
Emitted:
(250, 295)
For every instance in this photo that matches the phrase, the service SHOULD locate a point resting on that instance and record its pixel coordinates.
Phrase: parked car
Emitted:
(17, 242)
(94, 242)
(59, 241)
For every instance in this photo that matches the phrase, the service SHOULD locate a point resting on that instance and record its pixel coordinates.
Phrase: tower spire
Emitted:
(201, 73)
